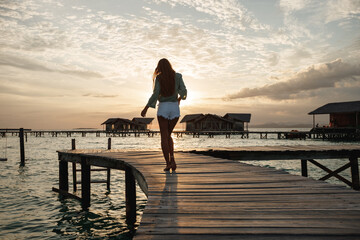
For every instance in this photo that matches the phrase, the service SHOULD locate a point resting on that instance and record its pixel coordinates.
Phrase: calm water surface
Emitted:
(30, 210)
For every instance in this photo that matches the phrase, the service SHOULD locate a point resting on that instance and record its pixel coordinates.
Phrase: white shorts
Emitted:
(168, 110)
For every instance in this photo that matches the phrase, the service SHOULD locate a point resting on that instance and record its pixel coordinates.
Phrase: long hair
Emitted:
(166, 77)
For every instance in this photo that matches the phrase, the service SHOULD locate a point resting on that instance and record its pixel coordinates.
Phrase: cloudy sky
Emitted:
(74, 63)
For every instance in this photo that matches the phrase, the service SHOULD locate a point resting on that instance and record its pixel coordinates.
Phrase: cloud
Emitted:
(289, 6)
(273, 59)
(315, 77)
(97, 95)
(342, 9)
(34, 65)
(228, 13)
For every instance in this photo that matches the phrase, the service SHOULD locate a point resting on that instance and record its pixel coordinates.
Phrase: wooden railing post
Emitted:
(73, 147)
(109, 143)
(130, 196)
(304, 169)
(355, 172)
(108, 179)
(22, 147)
(63, 176)
(85, 184)
(73, 144)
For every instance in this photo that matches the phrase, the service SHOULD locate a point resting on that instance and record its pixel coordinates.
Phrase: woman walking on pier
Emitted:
(169, 89)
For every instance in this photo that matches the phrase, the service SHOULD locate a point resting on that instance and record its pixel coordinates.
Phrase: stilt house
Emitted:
(212, 122)
(142, 123)
(190, 121)
(241, 120)
(117, 124)
(342, 114)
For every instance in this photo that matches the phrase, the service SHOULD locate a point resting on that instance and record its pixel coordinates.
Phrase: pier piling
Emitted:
(130, 195)
(22, 147)
(304, 169)
(63, 176)
(85, 184)
(109, 143)
(355, 173)
(73, 147)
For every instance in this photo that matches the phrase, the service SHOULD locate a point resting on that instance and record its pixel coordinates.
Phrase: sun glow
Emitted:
(191, 99)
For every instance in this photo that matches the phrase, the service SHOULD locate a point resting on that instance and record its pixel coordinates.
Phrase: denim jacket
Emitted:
(180, 89)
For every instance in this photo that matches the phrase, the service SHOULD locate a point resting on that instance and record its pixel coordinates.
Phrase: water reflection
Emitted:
(74, 223)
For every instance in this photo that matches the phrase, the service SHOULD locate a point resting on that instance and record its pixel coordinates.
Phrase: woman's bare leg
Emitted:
(171, 126)
(164, 133)
(167, 144)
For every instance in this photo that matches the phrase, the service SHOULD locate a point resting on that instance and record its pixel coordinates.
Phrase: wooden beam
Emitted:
(85, 184)
(130, 195)
(346, 166)
(66, 194)
(330, 171)
(355, 173)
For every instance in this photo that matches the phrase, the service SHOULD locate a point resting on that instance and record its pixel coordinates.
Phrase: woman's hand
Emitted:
(179, 99)
(143, 112)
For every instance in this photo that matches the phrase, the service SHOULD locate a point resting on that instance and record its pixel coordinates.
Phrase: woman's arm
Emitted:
(182, 89)
(143, 112)
(154, 97)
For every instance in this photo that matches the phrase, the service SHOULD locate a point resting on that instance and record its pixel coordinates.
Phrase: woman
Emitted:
(169, 89)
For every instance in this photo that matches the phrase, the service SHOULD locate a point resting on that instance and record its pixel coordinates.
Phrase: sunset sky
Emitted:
(75, 63)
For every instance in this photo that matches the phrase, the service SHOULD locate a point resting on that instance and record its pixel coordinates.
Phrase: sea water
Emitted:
(29, 209)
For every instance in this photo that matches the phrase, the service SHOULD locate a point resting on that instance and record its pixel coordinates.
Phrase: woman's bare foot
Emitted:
(172, 163)
(168, 166)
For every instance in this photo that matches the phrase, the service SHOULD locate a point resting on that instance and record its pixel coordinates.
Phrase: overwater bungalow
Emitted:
(189, 120)
(117, 124)
(241, 120)
(123, 124)
(212, 122)
(142, 123)
(343, 115)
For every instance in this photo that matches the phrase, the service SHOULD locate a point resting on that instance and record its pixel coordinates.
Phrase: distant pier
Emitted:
(302, 135)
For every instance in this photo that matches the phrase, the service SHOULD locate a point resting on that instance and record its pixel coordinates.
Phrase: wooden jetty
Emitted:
(215, 198)
(302, 135)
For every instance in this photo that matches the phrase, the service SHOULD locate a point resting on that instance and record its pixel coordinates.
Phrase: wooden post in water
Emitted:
(130, 196)
(109, 143)
(73, 147)
(355, 172)
(85, 184)
(22, 147)
(108, 170)
(108, 179)
(304, 169)
(73, 144)
(63, 176)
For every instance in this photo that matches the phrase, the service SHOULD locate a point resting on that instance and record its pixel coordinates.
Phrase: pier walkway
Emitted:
(215, 198)
(325, 134)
